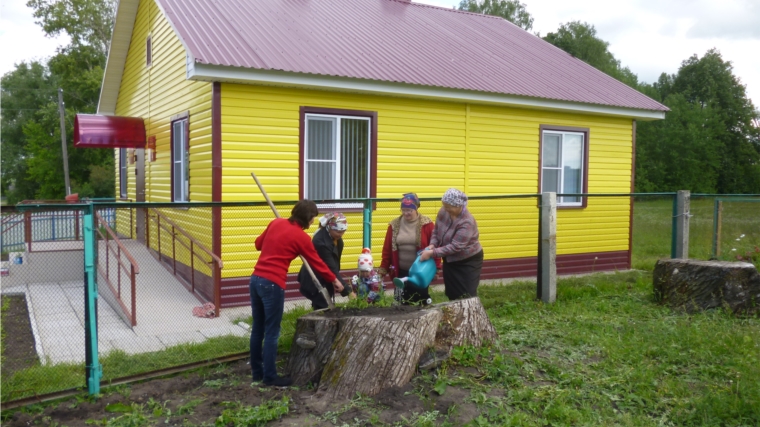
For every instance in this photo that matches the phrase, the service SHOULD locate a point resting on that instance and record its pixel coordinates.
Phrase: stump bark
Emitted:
(367, 351)
(693, 286)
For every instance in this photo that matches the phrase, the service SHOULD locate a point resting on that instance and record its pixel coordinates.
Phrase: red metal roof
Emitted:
(392, 41)
(95, 131)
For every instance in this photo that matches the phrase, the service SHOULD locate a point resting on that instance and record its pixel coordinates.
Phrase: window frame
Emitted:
(186, 155)
(123, 178)
(338, 113)
(584, 162)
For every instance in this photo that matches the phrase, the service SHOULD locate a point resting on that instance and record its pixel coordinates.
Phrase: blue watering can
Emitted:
(421, 273)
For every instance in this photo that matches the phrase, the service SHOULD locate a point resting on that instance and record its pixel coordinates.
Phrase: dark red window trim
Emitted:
(177, 118)
(586, 135)
(338, 112)
(148, 51)
(123, 184)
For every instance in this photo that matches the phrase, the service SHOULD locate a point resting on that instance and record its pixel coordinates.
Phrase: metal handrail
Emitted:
(216, 262)
(189, 237)
(133, 270)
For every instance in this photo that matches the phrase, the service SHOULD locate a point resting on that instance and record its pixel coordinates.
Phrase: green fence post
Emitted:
(93, 369)
(673, 226)
(367, 238)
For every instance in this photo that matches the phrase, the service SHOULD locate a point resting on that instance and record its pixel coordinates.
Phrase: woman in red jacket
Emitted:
(406, 235)
(281, 242)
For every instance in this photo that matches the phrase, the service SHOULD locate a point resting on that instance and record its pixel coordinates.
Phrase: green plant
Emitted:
(189, 407)
(159, 409)
(133, 416)
(218, 383)
(252, 416)
(425, 419)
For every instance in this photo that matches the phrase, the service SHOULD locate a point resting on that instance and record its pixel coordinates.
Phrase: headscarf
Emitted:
(454, 197)
(365, 260)
(410, 201)
(334, 221)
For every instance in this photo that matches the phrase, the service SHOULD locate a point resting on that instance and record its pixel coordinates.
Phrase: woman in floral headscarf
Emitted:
(328, 241)
(406, 235)
(455, 239)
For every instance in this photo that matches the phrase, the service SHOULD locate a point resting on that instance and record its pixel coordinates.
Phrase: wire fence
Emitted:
(172, 279)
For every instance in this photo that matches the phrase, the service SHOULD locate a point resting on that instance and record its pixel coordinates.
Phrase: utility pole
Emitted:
(63, 143)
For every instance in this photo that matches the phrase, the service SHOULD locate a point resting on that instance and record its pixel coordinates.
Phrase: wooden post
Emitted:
(548, 259)
(682, 223)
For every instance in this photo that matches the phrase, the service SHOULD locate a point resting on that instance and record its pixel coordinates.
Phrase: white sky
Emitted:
(648, 36)
(654, 36)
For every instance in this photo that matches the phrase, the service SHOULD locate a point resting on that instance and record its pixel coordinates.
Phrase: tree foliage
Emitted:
(32, 161)
(580, 40)
(87, 22)
(708, 142)
(511, 10)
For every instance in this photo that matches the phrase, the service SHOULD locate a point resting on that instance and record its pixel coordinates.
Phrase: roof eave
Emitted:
(211, 73)
(126, 12)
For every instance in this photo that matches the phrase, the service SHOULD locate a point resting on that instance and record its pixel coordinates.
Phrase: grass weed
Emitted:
(239, 415)
(606, 354)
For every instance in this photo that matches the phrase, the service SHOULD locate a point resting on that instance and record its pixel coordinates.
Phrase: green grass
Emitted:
(652, 230)
(43, 379)
(606, 354)
(651, 241)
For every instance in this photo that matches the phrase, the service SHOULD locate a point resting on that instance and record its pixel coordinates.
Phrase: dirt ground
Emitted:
(18, 351)
(200, 397)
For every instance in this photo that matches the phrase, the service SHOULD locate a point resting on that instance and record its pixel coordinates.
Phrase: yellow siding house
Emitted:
(345, 99)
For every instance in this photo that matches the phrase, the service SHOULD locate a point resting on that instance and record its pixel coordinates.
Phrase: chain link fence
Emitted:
(166, 298)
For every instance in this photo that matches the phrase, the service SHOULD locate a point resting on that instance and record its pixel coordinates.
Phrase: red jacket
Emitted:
(280, 244)
(390, 249)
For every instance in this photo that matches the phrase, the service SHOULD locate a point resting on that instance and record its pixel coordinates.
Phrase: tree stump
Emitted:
(693, 286)
(367, 351)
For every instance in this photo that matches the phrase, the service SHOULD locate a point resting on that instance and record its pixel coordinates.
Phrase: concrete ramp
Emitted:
(164, 313)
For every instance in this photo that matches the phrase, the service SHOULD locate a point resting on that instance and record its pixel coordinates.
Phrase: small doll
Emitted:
(367, 284)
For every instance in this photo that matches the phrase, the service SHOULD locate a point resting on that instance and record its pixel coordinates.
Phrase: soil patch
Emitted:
(18, 340)
(200, 397)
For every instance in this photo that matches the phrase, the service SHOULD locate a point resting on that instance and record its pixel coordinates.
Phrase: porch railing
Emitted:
(129, 268)
(196, 250)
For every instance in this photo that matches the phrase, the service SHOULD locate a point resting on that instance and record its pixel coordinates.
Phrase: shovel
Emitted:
(321, 289)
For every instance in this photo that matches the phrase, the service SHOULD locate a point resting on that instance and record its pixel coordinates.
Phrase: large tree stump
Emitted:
(367, 351)
(693, 286)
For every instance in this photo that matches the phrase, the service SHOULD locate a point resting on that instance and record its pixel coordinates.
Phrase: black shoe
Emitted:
(279, 382)
(258, 378)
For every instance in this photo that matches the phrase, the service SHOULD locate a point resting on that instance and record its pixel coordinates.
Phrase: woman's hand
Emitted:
(431, 247)
(337, 285)
(352, 295)
(426, 254)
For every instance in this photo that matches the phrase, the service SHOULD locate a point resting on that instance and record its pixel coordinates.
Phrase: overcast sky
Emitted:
(648, 36)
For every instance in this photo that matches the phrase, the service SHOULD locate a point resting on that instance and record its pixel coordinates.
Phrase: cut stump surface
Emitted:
(367, 351)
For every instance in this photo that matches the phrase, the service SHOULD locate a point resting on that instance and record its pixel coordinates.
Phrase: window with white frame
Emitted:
(123, 173)
(180, 162)
(562, 165)
(337, 158)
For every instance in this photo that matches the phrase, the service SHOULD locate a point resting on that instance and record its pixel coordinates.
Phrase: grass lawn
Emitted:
(740, 230)
(604, 354)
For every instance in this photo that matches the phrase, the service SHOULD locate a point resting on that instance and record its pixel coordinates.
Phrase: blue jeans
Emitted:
(267, 304)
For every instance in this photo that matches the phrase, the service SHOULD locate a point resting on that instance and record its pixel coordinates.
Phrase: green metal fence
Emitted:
(103, 339)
